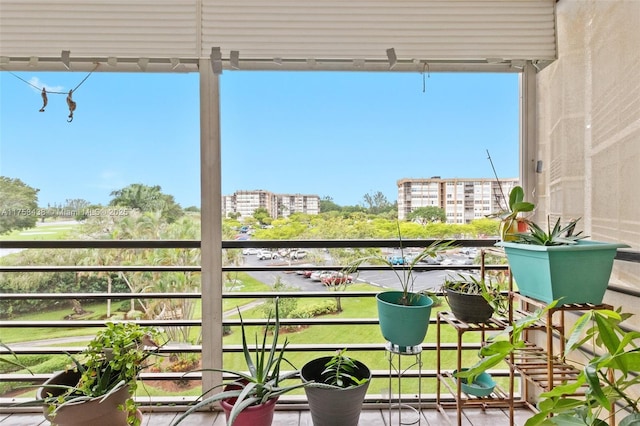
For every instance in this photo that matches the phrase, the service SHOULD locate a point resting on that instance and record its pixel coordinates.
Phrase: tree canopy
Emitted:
(428, 214)
(18, 205)
(147, 199)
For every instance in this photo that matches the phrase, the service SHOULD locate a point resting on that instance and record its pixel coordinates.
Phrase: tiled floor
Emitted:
(429, 417)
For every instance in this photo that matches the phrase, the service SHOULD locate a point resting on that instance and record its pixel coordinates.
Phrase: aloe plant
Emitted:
(559, 235)
(260, 383)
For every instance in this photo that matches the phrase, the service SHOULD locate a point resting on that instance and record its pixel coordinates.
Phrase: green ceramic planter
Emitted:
(577, 273)
(404, 326)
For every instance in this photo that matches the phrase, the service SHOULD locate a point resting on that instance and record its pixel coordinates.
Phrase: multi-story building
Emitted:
(462, 200)
(245, 203)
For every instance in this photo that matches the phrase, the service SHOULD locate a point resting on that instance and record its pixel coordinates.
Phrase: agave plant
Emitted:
(262, 380)
(559, 235)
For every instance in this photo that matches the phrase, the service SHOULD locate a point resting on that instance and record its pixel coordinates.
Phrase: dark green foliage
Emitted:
(609, 375)
(147, 199)
(18, 205)
(323, 307)
(341, 371)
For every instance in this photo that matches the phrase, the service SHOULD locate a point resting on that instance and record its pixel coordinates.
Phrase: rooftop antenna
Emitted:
(497, 180)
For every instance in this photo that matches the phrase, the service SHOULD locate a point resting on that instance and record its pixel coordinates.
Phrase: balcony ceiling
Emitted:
(171, 35)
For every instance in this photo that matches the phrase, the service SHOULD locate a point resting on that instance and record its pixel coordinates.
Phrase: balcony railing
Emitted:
(378, 394)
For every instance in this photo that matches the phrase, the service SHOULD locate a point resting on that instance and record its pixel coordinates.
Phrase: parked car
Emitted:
(250, 251)
(298, 254)
(336, 278)
(307, 273)
(432, 260)
(266, 254)
(319, 275)
(396, 260)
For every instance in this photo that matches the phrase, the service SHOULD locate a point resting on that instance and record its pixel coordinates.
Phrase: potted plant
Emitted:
(609, 375)
(99, 389)
(511, 221)
(475, 380)
(474, 299)
(250, 396)
(336, 387)
(559, 264)
(403, 314)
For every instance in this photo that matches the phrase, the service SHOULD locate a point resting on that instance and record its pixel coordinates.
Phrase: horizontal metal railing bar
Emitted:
(196, 375)
(236, 244)
(237, 295)
(628, 256)
(624, 255)
(101, 268)
(282, 268)
(99, 244)
(184, 323)
(305, 348)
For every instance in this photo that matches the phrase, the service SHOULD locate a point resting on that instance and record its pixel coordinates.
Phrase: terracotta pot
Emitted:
(255, 415)
(95, 412)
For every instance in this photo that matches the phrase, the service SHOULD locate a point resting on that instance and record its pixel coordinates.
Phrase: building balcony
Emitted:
(165, 392)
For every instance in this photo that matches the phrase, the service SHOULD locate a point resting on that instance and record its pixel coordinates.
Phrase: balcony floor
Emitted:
(430, 417)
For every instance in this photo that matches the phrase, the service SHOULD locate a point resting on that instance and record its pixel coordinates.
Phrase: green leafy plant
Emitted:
(558, 235)
(511, 215)
(405, 271)
(113, 359)
(261, 382)
(469, 284)
(607, 379)
(500, 346)
(341, 371)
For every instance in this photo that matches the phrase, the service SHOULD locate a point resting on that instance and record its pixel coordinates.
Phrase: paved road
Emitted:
(387, 279)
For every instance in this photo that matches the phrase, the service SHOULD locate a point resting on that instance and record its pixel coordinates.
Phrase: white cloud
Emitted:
(37, 84)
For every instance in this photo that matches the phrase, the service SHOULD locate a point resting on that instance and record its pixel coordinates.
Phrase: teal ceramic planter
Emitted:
(403, 326)
(577, 273)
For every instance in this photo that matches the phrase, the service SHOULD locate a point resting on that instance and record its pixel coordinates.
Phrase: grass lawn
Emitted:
(42, 231)
(339, 334)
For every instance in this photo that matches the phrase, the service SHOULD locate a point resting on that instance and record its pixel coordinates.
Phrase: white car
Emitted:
(266, 254)
(319, 275)
(298, 254)
(250, 251)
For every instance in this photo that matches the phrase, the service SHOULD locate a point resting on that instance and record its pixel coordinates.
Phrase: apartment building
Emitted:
(463, 200)
(278, 205)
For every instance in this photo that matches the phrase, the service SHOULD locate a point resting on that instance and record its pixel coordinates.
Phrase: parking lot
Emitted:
(423, 280)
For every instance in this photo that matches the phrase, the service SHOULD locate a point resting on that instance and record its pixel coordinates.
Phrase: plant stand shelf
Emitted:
(543, 366)
(534, 365)
(446, 380)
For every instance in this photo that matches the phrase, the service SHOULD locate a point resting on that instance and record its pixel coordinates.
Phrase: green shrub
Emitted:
(323, 307)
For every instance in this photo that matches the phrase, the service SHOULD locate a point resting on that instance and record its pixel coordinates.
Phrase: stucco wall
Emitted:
(589, 128)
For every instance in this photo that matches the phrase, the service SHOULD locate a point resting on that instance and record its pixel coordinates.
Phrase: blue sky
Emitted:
(333, 134)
